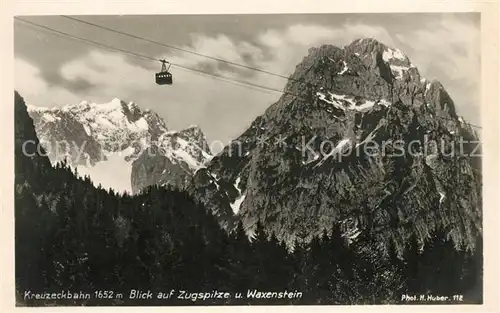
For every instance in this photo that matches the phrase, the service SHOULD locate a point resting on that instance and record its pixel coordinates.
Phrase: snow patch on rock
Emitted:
(345, 102)
(235, 206)
(391, 53)
(344, 69)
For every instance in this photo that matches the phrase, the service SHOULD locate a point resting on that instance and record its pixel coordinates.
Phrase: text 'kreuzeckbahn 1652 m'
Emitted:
(136, 294)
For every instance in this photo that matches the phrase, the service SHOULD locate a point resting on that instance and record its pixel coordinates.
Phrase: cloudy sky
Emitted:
(53, 70)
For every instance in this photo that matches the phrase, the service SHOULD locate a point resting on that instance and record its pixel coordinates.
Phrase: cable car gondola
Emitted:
(164, 77)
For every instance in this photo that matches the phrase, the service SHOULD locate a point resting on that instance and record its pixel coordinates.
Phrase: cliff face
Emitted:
(171, 161)
(360, 138)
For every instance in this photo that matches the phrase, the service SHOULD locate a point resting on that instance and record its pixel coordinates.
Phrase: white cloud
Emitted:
(450, 52)
(27, 78)
(224, 110)
(453, 47)
(277, 51)
(221, 47)
(110, 73)
(34, 89)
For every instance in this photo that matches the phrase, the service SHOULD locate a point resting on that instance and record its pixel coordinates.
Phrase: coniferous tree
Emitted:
(73, 236)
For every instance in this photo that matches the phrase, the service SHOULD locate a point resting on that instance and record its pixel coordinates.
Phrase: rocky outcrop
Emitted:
(171, 160)
(359, 137)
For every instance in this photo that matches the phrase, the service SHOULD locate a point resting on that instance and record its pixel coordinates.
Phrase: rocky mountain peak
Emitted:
(367, 46)
(196, 135)
(105, 139)
(362, 73)
(302, 166)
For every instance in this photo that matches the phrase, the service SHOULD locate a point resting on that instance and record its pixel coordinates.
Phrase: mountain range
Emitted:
(338, 146)
(73, 238)
(119, 145)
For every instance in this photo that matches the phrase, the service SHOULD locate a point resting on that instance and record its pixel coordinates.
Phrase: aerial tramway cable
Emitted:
(174, 47)
(241, 83)
(142, 56)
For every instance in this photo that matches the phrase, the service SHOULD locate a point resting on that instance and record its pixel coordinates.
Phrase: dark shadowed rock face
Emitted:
(171, 160)
(337, 146)
(157, 169)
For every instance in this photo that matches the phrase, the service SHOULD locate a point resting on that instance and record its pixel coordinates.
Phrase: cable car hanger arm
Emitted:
(163, 66)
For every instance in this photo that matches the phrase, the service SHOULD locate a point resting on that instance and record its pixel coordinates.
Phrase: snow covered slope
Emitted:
(103, 140)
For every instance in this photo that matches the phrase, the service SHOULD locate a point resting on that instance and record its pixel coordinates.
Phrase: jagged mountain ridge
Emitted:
(105, 141)
(363, 93)
(64, 226)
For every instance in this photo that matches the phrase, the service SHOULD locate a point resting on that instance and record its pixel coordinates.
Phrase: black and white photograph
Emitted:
(248, 159)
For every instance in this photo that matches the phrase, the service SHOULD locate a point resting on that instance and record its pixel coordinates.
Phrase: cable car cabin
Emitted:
(164, 77)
